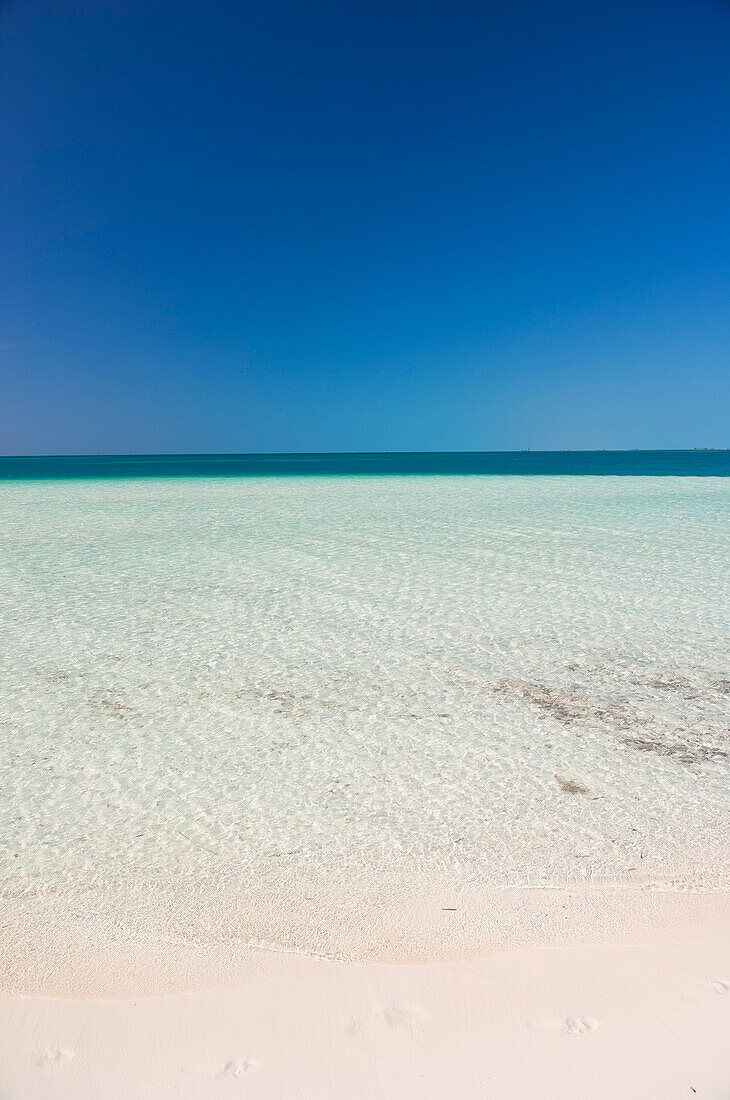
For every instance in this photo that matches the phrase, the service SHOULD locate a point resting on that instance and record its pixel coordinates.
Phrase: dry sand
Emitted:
(644, 1016)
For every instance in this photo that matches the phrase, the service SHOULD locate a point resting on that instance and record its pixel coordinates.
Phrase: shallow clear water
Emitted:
(514, 680)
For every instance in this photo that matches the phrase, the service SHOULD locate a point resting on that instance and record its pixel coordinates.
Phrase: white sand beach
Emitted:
(644, 1015)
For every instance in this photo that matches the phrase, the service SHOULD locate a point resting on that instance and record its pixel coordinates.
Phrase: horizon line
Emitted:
(333, 454)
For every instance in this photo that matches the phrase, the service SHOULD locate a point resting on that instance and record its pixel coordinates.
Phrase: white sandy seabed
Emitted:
(373, 787)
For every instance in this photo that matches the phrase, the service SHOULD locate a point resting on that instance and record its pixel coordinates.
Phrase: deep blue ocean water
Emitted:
(699, 463)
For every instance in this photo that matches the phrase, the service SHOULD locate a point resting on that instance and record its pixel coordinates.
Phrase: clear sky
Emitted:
(346, 225)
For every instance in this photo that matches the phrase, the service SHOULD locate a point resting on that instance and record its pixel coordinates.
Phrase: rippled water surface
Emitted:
(237, 681)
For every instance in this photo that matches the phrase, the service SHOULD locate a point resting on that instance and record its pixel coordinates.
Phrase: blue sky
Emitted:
(364, 226)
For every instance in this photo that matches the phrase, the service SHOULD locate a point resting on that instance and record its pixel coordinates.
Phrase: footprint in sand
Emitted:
(719, 987)
(238, 1068)
(395, 1016)
(55, 1056)
(580, 1025)
(392, 1015)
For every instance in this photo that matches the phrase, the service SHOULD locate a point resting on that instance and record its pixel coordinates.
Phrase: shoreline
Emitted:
(91, 947)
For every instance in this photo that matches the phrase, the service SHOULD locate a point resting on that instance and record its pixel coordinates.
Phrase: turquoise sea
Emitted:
(697, 463)
(273, 690)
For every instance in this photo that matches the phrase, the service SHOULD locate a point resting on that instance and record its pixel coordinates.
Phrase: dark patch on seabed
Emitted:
(569, 786)
(697, 745)
(686, 754)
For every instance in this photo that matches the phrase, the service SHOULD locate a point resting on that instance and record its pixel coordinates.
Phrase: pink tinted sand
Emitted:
(644, 1016)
